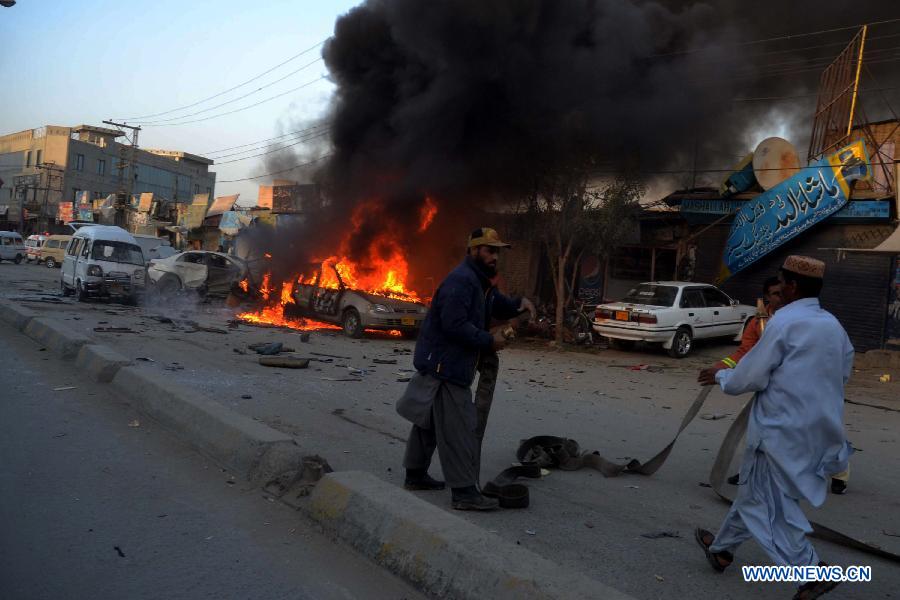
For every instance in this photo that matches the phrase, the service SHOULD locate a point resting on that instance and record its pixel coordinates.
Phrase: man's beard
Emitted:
(489, 270)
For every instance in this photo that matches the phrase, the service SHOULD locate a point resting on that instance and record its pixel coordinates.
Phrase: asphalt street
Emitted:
(97, 502)
(342, 408)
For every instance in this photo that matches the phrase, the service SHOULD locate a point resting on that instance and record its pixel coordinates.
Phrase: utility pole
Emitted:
(48, 168)
(126, 154)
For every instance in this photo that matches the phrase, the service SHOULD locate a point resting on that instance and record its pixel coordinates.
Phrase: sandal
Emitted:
(718, 560)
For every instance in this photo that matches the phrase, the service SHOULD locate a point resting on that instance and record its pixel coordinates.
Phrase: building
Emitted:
(52, 164)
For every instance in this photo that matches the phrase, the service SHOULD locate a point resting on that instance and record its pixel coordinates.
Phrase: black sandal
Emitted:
(715, 558)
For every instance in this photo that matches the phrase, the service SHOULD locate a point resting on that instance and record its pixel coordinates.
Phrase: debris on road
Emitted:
(268, 349)
(384, 361)
(713, 416)
(331, 355)
(64, 388)
(144, 359)
(114, 330)
(655, 535)
(531, 532)
(340, 379)
(246, 397)
(134, 423)
(287, 362)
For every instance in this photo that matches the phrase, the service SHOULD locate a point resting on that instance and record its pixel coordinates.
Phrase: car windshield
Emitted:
(652, 295)
(120, 252)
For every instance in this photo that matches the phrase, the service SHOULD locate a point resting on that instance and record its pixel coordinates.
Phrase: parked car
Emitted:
(12, 247)
(207, 273)
(355, 310)
(672, 313)
(33, 245)
(102, 261)
(53, 250)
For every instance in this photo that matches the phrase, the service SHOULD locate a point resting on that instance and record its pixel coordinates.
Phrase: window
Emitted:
(101, 166)
(75, 195)
(73, 248)
(39, 155)
(217, 261)
(120, 252)
(692, 298)
(652, 295)
(192, 257)
(28, 158)
(79, 162)
(85, 249)
(714, 297)
(7, 241)
(196, 188)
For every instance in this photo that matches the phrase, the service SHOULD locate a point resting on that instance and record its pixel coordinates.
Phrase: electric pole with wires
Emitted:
(126, 164)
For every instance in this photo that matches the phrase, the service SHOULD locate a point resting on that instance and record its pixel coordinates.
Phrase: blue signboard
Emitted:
(793, 206)
(694, 209)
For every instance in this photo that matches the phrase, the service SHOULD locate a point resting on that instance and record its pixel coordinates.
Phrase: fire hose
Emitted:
(548, 452)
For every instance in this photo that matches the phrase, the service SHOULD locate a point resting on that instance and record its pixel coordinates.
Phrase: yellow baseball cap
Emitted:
(485, 236)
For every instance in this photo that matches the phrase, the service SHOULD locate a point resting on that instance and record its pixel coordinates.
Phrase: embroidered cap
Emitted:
(804, 265)
(485, 236)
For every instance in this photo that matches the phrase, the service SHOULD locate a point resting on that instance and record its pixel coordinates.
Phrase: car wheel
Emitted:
(64, 288)
(51, 264)
(623, 344)
(352, 323)
(168, 285)
(80, 293)
(18, 259)
(681, 343)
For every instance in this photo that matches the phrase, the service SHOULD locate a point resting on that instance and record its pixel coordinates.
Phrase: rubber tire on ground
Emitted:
(50, 262)
(80, 293)
(622, 344)
(18, 259)
(352, 323)
(168, 286)
(681, 347)
(64, 289)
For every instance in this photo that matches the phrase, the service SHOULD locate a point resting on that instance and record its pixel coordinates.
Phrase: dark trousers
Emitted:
(453, 433)
(488, 368)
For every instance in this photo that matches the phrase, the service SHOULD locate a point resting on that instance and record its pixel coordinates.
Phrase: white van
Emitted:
(12, 247)
(102, 261)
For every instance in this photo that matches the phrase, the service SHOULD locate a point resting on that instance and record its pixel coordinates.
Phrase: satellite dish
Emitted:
(774, 160)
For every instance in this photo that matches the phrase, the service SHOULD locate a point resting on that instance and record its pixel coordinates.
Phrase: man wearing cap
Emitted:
(438, 399)
(795, 434)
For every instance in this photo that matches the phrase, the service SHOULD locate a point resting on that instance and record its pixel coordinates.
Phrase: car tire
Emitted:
(682, 343)
(64, 288)
(352, 323)
(80, 293)
(623, 344)
(50, 263)
(18, 259)
(168, 286)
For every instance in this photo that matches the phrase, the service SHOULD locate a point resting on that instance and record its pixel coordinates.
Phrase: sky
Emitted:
(67, 62)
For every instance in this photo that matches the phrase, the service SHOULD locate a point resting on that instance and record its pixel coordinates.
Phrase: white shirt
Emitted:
(798, 368)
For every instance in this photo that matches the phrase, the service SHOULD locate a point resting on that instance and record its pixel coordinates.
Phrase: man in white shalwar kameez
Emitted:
(795, 435)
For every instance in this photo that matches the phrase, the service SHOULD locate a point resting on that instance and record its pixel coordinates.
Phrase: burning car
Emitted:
(207, 273)
(326, 297)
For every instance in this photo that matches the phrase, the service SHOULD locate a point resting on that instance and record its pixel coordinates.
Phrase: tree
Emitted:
(570, 216)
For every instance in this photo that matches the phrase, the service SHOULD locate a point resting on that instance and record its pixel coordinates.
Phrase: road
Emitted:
(580, 519)
(97, 502)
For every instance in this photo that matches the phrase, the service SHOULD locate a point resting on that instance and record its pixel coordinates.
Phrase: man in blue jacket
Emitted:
(439, 400)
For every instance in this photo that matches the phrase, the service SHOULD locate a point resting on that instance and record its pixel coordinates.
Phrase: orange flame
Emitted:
(244, 285)
(428, 212)
(382, 270)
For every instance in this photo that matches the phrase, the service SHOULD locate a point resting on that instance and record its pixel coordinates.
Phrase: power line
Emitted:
(231, 89)
(199, 112)
(306, 164)
(231, 112)
(776, 39)
(307, 139)
(277, 137)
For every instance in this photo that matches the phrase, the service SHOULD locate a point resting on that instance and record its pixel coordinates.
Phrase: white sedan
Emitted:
(672, 313)
(205, 272)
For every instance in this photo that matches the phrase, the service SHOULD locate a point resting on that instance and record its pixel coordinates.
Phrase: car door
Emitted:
(727, 318)
(695, 312)
(68, 265)
(221, 274)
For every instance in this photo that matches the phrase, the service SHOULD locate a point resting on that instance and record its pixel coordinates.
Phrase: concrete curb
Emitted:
(441, 552)
(244, 445)
(100, 362)
(55, 336)
(15, 315)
